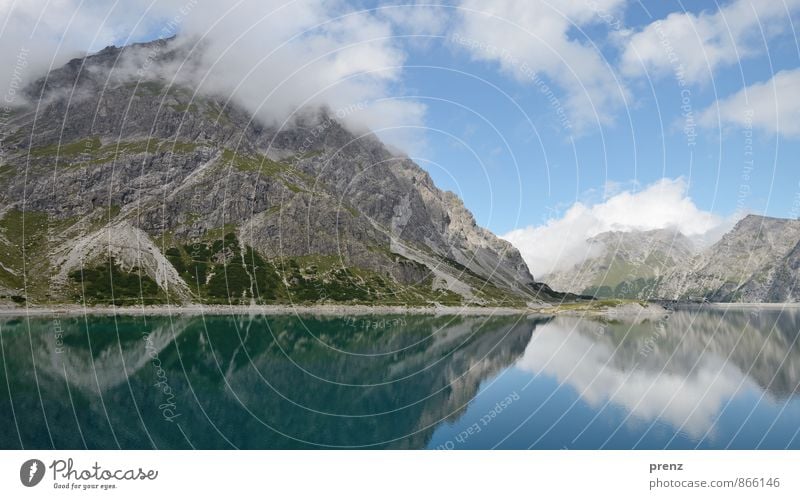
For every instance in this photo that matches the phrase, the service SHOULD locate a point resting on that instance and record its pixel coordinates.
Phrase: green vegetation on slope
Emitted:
(221, 271)
(107, 283)
(92, 152)
(23, 238)
(89, 145)
(253, 163)
(637, 288)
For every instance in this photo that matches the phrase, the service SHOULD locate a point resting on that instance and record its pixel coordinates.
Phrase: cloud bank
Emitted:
(274, 56)
(271, 56)
(560, 243)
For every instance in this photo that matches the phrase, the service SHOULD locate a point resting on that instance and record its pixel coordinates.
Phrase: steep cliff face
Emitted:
(755, 262)
(117, 188)
(624, 264)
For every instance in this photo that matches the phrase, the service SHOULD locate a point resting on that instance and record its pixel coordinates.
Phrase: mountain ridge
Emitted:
(758, 260)
(738, 267)
(139, 191)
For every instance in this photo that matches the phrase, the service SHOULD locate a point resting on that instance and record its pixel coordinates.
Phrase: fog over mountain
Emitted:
(271, 58)
(565, 241)
(123, 190)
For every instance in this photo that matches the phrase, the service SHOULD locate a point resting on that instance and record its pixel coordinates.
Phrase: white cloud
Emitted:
(36, 35)
(527, 38)
(560, 243)
(415, 19)
(690, 400)
(694, 45)
(271, 56)
(303, 55)
(772, 106)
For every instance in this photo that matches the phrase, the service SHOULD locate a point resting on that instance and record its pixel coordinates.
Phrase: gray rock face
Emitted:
(624, 264)
(101, 149)
(785, 284)
(755, 262)
(758, 261)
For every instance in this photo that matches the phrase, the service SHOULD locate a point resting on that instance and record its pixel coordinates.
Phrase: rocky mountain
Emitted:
(624, 264)
(126, 190)
(757, 261)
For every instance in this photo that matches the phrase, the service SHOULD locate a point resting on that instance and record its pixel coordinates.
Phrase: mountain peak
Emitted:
(229, 209)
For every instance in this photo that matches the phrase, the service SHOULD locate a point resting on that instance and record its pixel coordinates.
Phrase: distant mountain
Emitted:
(624, 264)
(123, 191)
(757, 261)
(785, 283)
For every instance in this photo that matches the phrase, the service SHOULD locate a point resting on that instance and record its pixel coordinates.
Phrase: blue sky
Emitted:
(552, 120)
(535, 169)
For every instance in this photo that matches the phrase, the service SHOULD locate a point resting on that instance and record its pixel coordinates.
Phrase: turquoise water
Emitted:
(698, 379)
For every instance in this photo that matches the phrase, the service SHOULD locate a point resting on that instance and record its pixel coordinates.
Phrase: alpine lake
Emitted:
(705, 378)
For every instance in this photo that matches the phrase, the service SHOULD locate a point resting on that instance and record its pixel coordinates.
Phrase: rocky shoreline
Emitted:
(622, 311)
(162, 310)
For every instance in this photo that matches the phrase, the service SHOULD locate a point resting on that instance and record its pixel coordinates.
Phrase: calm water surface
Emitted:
(697, 379)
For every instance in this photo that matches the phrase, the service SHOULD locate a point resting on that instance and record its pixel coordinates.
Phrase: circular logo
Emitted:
(31, 472)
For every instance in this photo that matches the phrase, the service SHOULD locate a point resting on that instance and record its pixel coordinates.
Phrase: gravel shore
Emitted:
(625, 311)
(75, 310)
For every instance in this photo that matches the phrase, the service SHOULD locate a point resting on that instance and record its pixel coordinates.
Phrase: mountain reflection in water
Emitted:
(707, 379)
